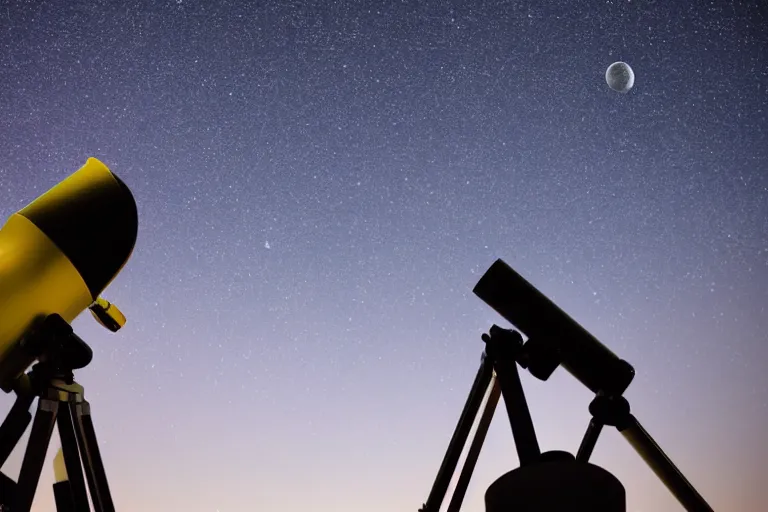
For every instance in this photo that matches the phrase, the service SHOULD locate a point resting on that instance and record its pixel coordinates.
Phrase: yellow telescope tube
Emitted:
(59, 253)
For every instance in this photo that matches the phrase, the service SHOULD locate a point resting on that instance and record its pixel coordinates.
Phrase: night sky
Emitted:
(320, 185)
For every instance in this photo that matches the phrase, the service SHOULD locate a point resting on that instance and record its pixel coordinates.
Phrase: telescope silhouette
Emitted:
(57, 255)
(554, 481)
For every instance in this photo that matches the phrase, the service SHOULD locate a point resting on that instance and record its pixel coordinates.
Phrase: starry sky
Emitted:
(320, 185)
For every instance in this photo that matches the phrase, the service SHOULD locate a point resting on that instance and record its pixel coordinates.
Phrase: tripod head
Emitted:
(59, 347)
(58, 350)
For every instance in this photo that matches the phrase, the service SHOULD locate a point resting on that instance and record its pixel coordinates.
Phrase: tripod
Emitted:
(60, 402)
(551, 481)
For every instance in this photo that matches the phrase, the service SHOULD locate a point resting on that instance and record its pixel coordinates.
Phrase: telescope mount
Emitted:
(61, 402)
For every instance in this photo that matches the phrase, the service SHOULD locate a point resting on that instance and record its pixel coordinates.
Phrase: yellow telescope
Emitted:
(57, 255)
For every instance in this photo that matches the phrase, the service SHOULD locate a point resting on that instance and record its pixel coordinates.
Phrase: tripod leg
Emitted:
(474, 448)
(502, 346)
(94, 467)
(667, 472)
(455, 447)
(589, 441)
(7, 492)
(62, 495)
(16, 422)
(72, 459)
(62, 489)
(34, 457)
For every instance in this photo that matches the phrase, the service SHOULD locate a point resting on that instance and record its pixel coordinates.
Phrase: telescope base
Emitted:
(558, 483)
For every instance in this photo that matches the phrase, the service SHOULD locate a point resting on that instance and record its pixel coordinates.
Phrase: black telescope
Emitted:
(554, 338)
(547, 481)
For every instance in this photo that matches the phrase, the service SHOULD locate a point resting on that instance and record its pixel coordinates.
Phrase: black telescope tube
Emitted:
(525, 307)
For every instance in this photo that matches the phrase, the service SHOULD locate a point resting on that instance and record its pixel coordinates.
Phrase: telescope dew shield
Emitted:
(58, 254)
(525, 307)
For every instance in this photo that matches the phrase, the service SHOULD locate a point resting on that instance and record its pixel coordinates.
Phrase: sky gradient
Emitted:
(321, 184)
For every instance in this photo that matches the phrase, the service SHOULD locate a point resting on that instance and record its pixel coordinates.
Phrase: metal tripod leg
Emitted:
(62, 495)
(463, 428)
(14, 426)
(589, 441)
(664, 468)
(89, 449)
(615, 411)
(69, 447)
(503, 346)
(34, 457)
(474, 449)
